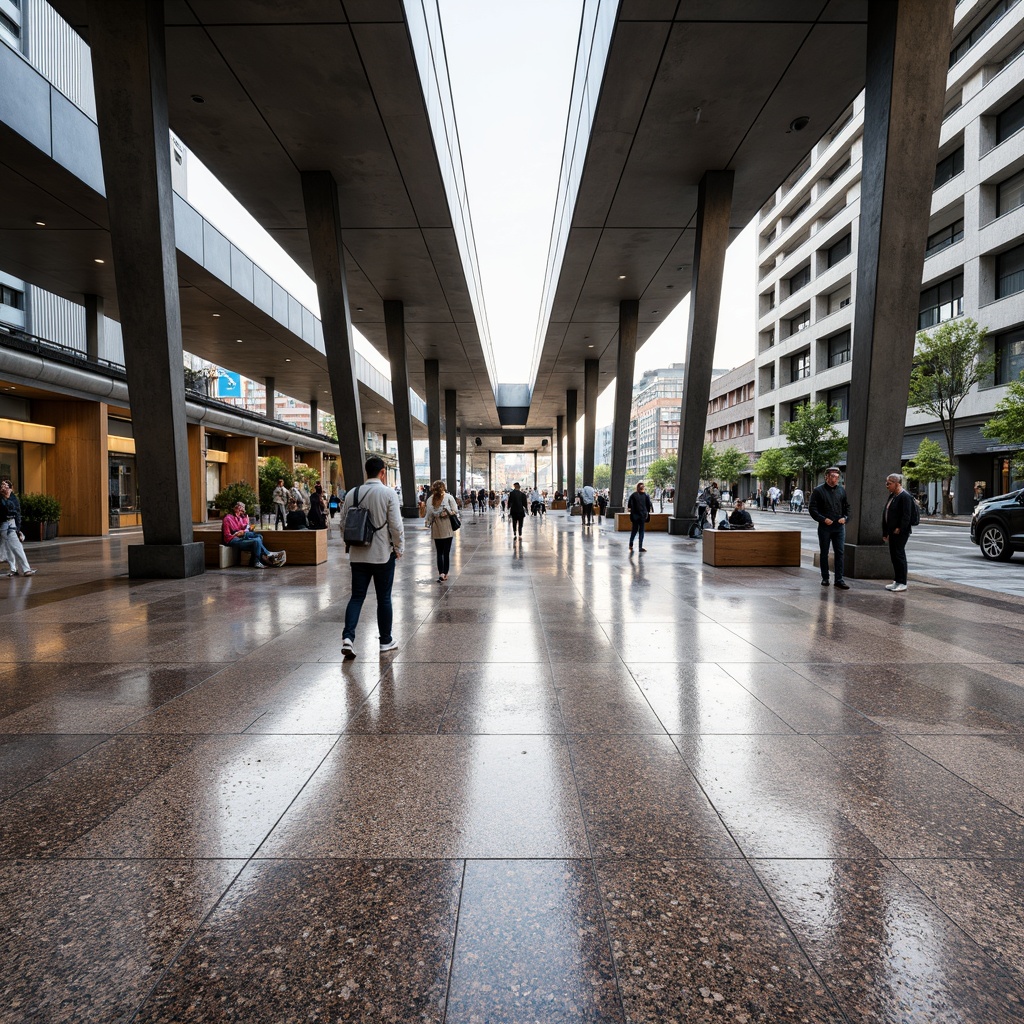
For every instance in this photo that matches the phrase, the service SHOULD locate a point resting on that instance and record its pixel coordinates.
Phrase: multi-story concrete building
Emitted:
(974, 258)
(731, 416)
(654, 418)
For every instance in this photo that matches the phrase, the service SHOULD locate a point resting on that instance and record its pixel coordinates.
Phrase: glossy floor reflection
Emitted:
(586, 787)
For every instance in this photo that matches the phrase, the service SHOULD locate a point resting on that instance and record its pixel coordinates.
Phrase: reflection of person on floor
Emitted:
(10, 531)
(740, 519)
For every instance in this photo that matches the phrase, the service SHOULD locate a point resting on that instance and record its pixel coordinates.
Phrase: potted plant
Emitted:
(239, 491)
(40, 514)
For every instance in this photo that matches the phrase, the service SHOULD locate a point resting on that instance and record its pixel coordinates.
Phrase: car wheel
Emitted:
(994, 543)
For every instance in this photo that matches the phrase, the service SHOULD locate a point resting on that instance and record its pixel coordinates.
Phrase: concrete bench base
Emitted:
(658, 523)
(751, 547)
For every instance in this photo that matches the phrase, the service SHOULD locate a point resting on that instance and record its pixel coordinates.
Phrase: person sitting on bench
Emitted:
(740, 518)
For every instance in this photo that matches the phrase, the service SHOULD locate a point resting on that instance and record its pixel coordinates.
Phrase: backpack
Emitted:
(915, 513)
(358, 530)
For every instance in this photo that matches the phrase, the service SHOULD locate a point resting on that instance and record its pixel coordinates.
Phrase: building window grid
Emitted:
(800, 366)
(1009, 350)
(839, 349)
(839, 250)
(945, 237)
(941, 302)
(949, 167)
(1010, 272)
(1010, 194)
(982, 28)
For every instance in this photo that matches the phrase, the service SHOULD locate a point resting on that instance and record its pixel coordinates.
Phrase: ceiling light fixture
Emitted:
(40, 223)
(239, 340)
(590, 346)
(99, 261)
(216, 314)
(196, 98)
(622, 277)
(287, 360)
(798, 124)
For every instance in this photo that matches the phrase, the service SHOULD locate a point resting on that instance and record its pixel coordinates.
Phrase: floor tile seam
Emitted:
(986, 952)
(53, 771)
(455, 944)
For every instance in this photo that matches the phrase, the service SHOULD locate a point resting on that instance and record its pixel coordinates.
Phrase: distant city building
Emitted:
(603, 446)
(730, 421)
(974, 253)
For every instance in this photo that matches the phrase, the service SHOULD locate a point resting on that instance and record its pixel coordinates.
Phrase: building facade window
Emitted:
(941, 303)
(800, 366)
(800, 322)
(1010, 121)
(795, 407)
(1010, 272)
(1010, 194)
(839, 299)
(839, 399)
(12, 297)
(799, 280)
(839, 251)
(980, 29)
(949, 168)
(839, 349)
(1009, 349)
(945, 237)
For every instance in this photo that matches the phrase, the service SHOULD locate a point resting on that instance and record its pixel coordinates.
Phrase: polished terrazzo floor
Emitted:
(586, 787)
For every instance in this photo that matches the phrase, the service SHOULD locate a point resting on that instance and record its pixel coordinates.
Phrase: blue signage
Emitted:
(229, 385)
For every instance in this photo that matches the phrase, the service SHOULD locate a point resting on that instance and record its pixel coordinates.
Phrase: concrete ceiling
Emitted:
(689, 86)
(326, 85)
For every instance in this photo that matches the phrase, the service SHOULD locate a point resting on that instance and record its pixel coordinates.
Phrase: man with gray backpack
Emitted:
(371, 523)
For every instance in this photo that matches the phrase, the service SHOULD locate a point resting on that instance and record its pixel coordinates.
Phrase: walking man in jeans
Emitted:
(374, 561)
(830, 509)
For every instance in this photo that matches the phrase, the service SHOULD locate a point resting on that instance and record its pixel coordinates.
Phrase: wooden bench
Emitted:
(658, 523)
(303, 547)
(752, 547)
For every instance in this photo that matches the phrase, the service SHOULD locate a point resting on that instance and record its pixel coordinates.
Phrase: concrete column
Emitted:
(591, 379)
(908, 45)
(323, 224)
(462, 458)
(629, 316)
(431, 374)
(571, 417)
(394, 322)
(314, 416)
(714, 205)
(559, 431)
(535, 483)
(450, 440)
(95, 342)
(130, 77)
(269, 408)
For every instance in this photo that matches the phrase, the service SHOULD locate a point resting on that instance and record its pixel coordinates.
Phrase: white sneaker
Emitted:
(391, 645)
(348, 649)
(891, 586)
(29, 572)
(897, 587)
(280, 557)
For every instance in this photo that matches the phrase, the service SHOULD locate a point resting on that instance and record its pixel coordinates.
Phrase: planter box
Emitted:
(39, 531)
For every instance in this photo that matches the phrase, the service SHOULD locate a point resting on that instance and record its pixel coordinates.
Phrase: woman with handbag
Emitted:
(441, 518)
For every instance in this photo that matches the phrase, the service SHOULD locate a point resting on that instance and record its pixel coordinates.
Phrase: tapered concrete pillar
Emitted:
(431, 375)
(95, 327)
(314, 416)
(629, 316)
(714, 205)
(462, 459)
(535, 483)
(394, 323)
(591, 379)
(450, 440)
(269, 397)
(129, 72)
(323, 224)
(571, 418)
(559, 430)
(907, 59)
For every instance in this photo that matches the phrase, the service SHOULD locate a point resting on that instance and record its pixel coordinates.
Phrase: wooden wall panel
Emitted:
(242, 464)
(197, 470)
(315, 460)
(285, 452)
(76, 467)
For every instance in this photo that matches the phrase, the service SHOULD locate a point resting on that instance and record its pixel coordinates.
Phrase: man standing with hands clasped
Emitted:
(831, 511)
(897, 523)
(374, 561)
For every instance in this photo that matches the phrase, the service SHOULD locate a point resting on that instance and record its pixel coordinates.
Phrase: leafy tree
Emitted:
(224, 501)
(1007, 426)
(947, 364)
(602, 476)
(662, 472)
(729, 463)
(929, 463)
(813, 441)
(307, 476)
(773, 463)
(708, 462)
(328, 426)
(273, 469)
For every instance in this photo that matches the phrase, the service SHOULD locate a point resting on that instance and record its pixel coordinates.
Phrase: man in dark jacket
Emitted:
(517, 510)
(896, 529)
(830, 509)
(740, 518)
(640, 508)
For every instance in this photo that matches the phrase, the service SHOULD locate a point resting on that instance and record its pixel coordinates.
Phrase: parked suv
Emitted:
(997, 526)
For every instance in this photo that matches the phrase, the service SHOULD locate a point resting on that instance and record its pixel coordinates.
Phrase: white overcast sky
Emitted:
(510, 67)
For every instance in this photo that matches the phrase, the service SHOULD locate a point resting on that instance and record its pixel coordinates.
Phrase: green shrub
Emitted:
(225, 500)
(39, 508)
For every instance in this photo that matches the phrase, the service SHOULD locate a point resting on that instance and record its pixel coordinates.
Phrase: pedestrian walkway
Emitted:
(586, 787)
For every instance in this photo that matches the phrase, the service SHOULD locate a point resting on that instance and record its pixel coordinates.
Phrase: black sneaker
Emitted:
(824, 583)
(842, 585)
